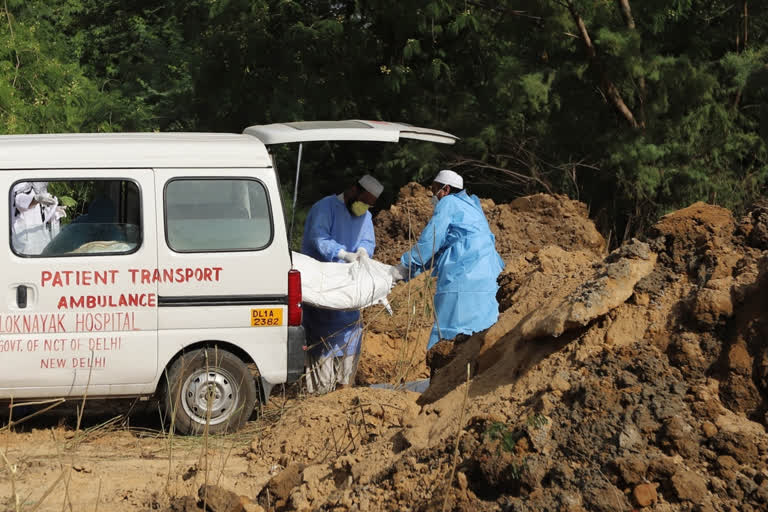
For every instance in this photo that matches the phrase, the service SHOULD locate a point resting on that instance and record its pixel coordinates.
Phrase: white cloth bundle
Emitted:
(343, 286)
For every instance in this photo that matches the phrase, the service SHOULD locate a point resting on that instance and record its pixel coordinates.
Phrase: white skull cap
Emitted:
(451, 178)
(371, 184)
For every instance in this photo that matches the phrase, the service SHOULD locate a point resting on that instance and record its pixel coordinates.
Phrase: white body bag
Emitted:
(343, 286)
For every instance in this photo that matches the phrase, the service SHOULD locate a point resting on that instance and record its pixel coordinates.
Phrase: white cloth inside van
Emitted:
(343, 286)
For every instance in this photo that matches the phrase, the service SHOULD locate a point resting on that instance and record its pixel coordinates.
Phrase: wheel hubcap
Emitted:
(212, 390)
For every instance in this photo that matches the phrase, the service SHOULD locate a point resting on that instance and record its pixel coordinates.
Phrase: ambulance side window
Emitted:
(75, 217)
(211, 215)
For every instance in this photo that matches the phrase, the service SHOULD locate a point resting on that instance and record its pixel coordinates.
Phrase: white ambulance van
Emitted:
(155, 264)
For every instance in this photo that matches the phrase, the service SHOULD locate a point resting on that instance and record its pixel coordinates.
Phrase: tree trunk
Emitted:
(626, 12)
(629, 20)
(742, 27)
(609, 89)
(745, 23)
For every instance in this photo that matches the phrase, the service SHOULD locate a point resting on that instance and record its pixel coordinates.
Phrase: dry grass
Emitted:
(459, 432)
(31, 497)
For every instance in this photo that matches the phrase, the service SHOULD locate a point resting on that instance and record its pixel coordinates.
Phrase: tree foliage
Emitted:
(43, 88)
(635, 107)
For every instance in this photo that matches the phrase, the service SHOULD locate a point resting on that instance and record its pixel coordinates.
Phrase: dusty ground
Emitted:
(612, 382)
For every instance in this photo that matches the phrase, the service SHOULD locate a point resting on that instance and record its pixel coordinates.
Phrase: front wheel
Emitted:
(212, 387)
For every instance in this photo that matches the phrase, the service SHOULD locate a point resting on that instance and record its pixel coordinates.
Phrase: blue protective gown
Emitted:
(465, 263)
(329, 228)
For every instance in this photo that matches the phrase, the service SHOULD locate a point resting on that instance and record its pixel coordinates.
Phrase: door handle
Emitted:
(21, 296)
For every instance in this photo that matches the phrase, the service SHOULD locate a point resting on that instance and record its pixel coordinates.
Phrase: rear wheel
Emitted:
(212, 387)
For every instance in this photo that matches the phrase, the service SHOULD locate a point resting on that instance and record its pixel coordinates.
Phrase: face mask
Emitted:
(434, 200)
(359, 208)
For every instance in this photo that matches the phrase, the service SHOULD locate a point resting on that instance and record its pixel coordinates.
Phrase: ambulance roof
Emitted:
(131, 150)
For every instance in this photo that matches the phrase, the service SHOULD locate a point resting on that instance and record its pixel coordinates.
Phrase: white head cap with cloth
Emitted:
(451, 178)
(371, 184)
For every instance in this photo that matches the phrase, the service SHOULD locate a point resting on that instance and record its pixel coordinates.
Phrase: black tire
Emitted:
(191, 379)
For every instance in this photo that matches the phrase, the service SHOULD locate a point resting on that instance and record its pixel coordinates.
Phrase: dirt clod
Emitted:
(644, 495)
(689, 486)
(217, 499)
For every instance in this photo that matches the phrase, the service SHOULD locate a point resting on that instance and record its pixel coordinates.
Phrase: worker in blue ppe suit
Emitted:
(460, 248)
(338, 228)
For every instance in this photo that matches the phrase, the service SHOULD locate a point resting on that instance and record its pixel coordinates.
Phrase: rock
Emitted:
(630, 437)
(761, 495)
(662, 467)
(533, 472)
(299, 500)
(644, 420)
(281, 485)
(739, 393)
(734, 489)
(561, 475)
(253, 507)
(705, 507)
(739, 360)
(632, 469)
(560, 384)
(747, 485)
(611, 285)
(679, 436)
(645, 494)
(689, 486)
(727, 462)
(685, 352)
(314, 473)
(710, 306)
(540, 434)
(184, 504)
(718, 487)
(709, 429)
(738, 445)
(217, 499)
(461, 479)
(739, 425)
(605, 499)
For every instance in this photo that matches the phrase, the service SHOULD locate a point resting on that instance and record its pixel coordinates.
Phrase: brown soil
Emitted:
(633, 380)
(530, 231)
(525, 225)
(394, 346)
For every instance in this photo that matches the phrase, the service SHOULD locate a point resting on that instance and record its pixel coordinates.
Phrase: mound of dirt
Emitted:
(639, 379)
(549, 234)
(618, 431)
(531, 223)
(321, 429)
(570, 302)
(676, 376)
(525, 225)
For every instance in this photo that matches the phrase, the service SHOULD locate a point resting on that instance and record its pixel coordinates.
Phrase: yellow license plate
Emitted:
(266, 317)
